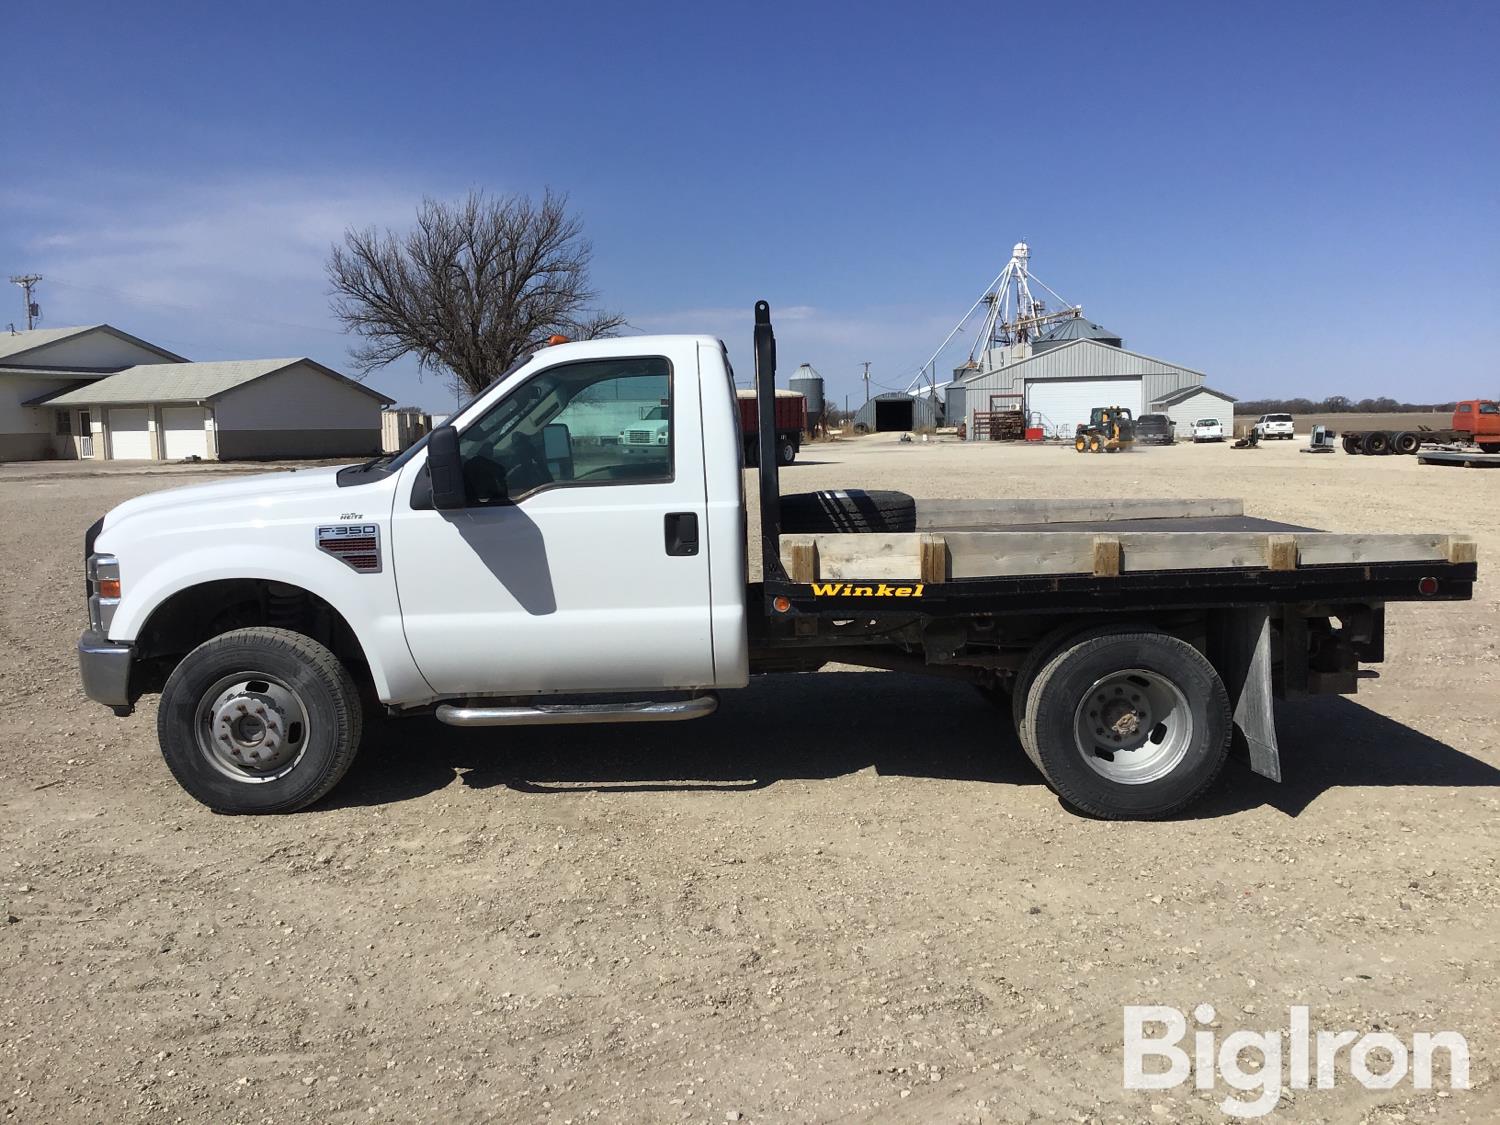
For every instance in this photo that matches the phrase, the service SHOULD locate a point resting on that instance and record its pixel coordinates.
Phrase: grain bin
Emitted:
(809, 384)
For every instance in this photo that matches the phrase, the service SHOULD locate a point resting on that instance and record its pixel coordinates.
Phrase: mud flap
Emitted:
(1240, 641)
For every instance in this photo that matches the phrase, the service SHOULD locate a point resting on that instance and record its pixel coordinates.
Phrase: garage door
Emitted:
(129, 438)
(182, 432)
(1063, 403)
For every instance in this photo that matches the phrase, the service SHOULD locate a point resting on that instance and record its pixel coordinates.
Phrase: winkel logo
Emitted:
(848, 590)
(1378, 1060)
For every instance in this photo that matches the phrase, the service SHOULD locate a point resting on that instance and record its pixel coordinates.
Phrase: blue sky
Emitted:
(1293, 198)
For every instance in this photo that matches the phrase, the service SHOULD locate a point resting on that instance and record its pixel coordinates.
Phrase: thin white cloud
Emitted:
(233, 267)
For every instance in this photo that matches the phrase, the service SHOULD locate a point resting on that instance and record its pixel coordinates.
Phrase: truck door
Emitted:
(580, 562)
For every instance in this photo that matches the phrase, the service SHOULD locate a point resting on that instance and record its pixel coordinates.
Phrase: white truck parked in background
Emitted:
(522, 565)
(1208, 429)
(651, 432)
(1275, 426)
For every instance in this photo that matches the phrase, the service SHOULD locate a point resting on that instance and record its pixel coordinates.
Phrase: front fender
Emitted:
(367, 602)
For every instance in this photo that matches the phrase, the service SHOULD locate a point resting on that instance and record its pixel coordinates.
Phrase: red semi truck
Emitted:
(791, 421)
(1475, 422)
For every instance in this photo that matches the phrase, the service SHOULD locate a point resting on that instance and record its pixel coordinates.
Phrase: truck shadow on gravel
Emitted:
(791, 727)
(1330, 742)
(780, 728)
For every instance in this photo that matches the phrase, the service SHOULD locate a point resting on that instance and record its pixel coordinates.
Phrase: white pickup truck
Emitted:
(526, 565)
(1207, 429)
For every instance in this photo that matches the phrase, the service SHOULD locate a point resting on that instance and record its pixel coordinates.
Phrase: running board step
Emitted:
(458, 715)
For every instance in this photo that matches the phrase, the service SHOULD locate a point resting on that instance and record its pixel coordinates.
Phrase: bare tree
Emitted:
(470, 288)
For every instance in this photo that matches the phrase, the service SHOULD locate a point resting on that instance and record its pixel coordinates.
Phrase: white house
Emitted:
(96, 392)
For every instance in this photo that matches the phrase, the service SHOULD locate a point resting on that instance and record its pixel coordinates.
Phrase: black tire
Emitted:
(786, 451)
(1201, 728)
(273, 664)
(1405, 443)
(1352, 445)
(1376, 443)
(850, 510)
(1035, 660)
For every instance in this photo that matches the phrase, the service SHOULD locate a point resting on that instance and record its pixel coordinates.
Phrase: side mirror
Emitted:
(557, 450)
(446, 469)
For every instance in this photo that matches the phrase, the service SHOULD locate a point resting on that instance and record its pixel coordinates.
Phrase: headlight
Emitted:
(104, 591)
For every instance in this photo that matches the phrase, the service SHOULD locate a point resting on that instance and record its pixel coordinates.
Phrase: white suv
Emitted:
(1207, 429)
(1275, 426)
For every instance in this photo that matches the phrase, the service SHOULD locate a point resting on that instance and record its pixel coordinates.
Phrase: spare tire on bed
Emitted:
(847, 510)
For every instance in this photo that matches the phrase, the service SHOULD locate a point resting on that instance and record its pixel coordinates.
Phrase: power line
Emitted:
(27, 282)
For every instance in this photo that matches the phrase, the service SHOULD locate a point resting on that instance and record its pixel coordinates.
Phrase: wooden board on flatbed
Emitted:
(944, 515)
(1101, 538)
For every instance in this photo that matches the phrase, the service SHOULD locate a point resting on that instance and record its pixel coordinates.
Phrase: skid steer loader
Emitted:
(1108, 430)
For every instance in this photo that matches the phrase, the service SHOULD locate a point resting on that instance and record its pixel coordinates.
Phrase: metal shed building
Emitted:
(1187, 405)
(894, 411)
(1058, 387)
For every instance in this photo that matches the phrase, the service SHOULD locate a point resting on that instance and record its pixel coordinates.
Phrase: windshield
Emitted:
(656, 414)
(1278, 417)
(1206, 422)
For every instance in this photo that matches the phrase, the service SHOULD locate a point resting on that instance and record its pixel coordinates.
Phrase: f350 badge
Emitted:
(355, 544)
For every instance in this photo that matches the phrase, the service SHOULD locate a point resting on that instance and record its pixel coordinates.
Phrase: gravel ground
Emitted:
(843, 897)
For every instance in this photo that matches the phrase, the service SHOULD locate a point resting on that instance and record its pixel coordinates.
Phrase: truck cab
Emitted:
(570, 561)
(651, 433)
(1480, 419)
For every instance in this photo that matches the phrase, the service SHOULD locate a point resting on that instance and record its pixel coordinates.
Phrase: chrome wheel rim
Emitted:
(1133, 726)
(252, 727)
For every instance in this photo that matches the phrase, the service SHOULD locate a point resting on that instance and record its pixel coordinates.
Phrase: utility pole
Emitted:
(867, 382)
(33, 310)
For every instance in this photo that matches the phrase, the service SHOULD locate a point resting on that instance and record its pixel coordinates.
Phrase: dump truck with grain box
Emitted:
(520, 566)
(790, 422)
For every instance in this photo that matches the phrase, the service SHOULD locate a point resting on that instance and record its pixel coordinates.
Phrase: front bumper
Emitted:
(105, 668)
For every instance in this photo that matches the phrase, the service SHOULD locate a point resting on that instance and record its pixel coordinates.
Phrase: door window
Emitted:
(581, 424)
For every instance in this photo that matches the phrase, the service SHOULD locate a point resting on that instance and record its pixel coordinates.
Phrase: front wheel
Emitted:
(259, 721)
(1127, 725)
(786, 451)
